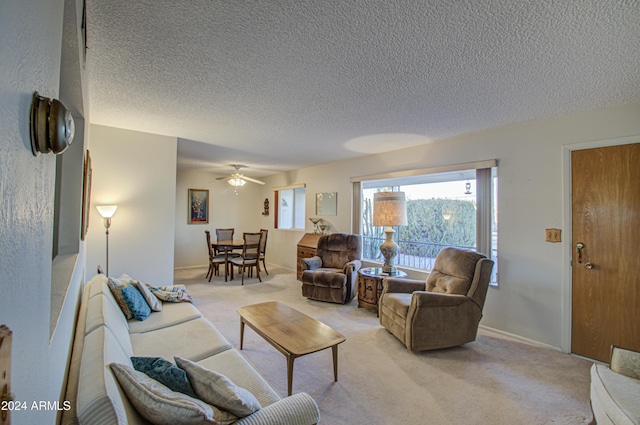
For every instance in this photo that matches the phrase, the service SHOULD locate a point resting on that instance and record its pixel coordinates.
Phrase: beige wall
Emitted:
(137, 172)
(227, 209)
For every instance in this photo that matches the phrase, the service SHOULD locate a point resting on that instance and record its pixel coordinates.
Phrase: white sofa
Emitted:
(104, 336)
(615, 389)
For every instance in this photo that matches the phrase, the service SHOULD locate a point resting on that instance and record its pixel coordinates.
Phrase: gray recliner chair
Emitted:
(442, 312)
(332, 274)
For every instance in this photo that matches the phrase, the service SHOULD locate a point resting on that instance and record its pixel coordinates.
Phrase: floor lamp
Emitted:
(107, 211)
(389, 209)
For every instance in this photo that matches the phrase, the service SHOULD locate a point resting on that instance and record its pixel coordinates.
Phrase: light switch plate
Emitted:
(553, 235)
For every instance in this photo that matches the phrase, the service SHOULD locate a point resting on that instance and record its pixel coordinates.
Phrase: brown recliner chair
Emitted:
(333, 273)
(442, 312)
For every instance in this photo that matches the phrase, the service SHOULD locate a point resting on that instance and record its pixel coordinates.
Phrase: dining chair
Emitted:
(250, 256)
(263, 248)
(214, 260)
(225, 234)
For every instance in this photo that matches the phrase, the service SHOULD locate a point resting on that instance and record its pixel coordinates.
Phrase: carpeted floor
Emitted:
(494, 380)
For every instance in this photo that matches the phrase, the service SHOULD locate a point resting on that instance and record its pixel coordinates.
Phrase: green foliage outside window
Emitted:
(428, 230)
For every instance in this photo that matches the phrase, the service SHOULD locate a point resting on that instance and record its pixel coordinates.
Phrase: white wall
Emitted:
(31, 34)
(137, 172)
(241, 210)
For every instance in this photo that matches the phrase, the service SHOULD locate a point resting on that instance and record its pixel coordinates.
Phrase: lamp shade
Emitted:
(107, 211)
(389, 209)
(236, 182)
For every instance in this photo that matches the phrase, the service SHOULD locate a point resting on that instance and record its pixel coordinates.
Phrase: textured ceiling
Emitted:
(282, 84)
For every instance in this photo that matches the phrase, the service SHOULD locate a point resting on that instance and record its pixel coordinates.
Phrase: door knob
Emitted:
(579, 248)
(588, 265)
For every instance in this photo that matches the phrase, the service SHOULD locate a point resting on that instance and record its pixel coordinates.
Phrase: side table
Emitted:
(370, 285)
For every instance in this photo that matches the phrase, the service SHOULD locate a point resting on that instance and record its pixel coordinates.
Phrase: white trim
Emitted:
(567, 248)
(489, 163)
(522, 339)
(291, 186)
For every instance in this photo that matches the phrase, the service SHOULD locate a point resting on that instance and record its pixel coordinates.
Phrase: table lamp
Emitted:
(389, 209)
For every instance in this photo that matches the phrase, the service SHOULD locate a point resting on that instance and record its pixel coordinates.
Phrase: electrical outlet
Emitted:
(553, 235)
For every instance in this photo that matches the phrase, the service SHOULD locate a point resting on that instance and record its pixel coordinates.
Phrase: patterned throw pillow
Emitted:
(116, 286)
(164, 372)
(160, 405)
(135, 301)
(217, 390)
(172, 294)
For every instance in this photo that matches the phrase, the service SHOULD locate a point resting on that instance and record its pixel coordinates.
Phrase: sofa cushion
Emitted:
(172, 314)
(136, 302)
(161, 406)
(165, 372)
(218, 390)
(98, 285)
(235, 367)
(100, 400)
(101, 311)
(154, 303)
(194, 340)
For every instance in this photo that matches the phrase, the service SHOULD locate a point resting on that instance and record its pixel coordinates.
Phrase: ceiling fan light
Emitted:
(236, 182)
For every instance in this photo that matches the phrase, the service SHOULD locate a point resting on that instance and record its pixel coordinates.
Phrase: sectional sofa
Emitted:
(104, 336)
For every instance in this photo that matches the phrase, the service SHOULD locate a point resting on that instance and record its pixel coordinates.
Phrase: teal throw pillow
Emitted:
(164, 372)
(136, 302)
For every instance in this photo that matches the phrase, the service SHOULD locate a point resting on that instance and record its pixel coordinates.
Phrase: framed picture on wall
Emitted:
(326, 203)
(198, 206)
(86, 196)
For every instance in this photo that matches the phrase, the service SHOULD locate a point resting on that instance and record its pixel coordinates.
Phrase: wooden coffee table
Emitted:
(291, 332)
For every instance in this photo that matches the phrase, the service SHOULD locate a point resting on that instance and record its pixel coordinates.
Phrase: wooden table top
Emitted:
(292, 330)
(235, 243)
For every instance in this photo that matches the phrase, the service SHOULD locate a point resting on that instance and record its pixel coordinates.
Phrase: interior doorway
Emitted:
(605, 282)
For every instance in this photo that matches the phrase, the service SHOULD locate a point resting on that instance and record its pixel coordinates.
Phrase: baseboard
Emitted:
(522, 339)
(190, 267)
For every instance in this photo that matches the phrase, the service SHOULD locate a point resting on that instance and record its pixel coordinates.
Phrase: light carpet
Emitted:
(494, 380)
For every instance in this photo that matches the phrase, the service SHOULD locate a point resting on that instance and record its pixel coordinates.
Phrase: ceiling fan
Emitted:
(236, 179)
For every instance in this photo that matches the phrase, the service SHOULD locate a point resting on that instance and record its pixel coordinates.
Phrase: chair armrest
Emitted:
(311, 263)
(298, 409)
(625, 362)
(407, 286)
(352, 266)
(436, 299)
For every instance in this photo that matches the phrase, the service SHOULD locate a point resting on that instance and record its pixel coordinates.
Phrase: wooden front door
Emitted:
(606, 250)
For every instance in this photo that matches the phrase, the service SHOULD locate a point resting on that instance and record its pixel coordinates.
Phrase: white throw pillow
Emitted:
(217, 390)
(152, 300)
(159, 405)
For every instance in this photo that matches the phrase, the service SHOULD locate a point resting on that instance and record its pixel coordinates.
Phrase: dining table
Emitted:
(227, 246)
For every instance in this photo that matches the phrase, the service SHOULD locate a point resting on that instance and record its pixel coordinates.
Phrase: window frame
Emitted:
(486, 194)
(295, 210)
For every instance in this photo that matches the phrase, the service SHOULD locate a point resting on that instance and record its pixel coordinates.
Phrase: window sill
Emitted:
(62, 269)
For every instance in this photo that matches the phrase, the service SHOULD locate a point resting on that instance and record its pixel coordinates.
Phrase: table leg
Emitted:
(241, 332)
(226, 264)
(334, 349)
(290, 360)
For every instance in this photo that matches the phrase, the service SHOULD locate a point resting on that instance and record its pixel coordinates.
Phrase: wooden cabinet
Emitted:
(306, 249)
(370, 286)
